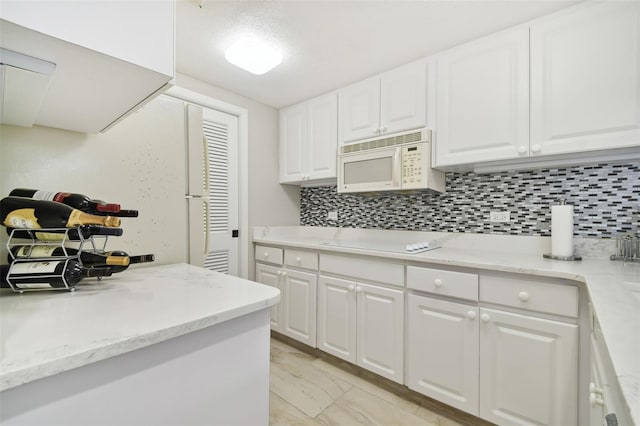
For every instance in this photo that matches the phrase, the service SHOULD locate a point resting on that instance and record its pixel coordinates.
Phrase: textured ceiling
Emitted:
(329, 44)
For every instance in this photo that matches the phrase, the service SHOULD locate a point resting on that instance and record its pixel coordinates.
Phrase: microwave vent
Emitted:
(423, 135)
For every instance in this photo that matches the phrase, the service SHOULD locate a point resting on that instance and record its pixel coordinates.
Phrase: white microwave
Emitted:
(393, 163)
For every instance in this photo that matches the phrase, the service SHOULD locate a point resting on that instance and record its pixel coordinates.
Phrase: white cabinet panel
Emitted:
(337, 317)
(528, 370)
(385, 104)
(293, 128)
(322, 137)
(443, 351)
(585, 78)
(270, 275)
(403, 99)
(308, 140)
(483, 100)
(299, 306)
(380, 331)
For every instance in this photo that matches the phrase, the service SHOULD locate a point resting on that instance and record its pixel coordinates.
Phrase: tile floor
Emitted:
(307, 390)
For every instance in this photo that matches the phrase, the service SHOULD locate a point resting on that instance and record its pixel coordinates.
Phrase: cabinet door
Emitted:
(483, 100)
(380, 331)
(293, 140)
(443, 351)
(359, 109)
(322, 137)
(299, 306)
(337, 317)
(403, 98)
(270, 275)
(528, 370)
(585, 79)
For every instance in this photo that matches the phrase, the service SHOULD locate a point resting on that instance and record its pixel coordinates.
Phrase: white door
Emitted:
(322, 137)
(380, 330)
(403, 98)
(270, 275)
(443, 351)
(359, 109)
(293, 143)
(528, 370)
(299, 306)
(483, 100)
(337, 317)
(221, 168)
(585, 78)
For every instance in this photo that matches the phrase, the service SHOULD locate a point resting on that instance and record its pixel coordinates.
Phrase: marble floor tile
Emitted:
(359, 407)
(307, 388)
(434, 418)
(281, 413)
(283, 346)
(366, 385)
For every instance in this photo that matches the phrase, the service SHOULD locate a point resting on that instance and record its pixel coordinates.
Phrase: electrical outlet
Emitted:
(500, 216)
(332, 215)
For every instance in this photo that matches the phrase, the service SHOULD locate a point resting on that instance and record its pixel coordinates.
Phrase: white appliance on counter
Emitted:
(393, 163)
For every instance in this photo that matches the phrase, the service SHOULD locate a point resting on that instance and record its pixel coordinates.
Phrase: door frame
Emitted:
(243, 162)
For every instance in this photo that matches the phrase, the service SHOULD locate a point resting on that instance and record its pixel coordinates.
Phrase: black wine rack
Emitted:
(94, 243)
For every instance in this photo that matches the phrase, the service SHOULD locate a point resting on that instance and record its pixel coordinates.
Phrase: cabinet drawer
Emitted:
(445, 283)
(366, 269)
(532, 295)
(301, 259)
(269, 254)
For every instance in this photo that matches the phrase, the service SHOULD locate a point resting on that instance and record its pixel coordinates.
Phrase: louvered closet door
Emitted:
(221, 171)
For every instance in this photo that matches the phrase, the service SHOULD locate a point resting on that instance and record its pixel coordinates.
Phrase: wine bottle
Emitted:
(132, 259)
(20, 212)
(28, 275)
(74, 234)
(4, 271)
(87, 258)
(77, 201)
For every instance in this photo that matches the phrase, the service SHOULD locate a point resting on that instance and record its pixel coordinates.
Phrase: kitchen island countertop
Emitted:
(49, 332)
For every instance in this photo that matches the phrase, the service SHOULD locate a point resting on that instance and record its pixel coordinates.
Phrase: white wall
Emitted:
(138, 163)
(128, 164)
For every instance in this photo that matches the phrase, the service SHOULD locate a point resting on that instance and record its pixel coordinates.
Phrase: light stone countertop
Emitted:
(45, 333)
(615, 303)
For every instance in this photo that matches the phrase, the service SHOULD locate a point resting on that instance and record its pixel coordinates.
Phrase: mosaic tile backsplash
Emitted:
(606, 200)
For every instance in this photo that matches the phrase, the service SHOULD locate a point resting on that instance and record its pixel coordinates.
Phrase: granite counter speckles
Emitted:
(47, 333)
(605, 196)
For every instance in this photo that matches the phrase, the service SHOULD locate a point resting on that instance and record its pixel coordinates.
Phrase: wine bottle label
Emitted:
(32, 285)
(37, 251)
(34, 267)
(49, 236)
(44, 195)
(60, 196)
(22, 218)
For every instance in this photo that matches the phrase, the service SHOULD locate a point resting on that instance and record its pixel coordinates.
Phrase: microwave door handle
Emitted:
(397, 162)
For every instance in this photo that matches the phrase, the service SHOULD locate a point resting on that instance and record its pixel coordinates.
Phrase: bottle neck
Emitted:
(78, 218)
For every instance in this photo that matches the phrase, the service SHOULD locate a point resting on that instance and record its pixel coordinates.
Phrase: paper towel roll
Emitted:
(562, 230)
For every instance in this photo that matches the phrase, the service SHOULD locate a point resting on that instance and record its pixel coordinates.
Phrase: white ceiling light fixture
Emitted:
(253, 55)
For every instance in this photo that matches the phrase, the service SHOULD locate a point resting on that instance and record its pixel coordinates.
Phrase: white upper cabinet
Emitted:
(385, 104)
(109, 57)
(483, 100)
(585, 78)
(308, 140)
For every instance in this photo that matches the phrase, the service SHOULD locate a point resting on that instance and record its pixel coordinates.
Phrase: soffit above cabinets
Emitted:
(88, 91)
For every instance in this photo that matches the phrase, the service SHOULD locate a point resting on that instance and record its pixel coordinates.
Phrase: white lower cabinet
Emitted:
(505, 367)
(443, 351)
(363, 324)
(528, 370)
(269, 275)
(295, 315)
(299, 306)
